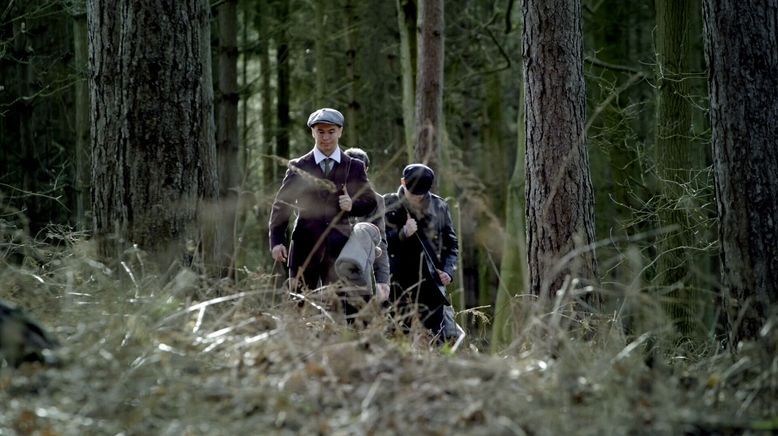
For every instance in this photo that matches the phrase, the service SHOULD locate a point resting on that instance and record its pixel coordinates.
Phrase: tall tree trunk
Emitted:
(82, 162)
(352, 75)
(151, 125)
(429, 84)
(406, 21)
(742, 53)
(23, 109)
(513, 267)
(560, 203)
(227, 147)
(266, 92)
(283, 72)
(674, 151)
(320, 48)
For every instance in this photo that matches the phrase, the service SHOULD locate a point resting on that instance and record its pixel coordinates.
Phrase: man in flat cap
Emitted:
(423, 250)
(324, 188)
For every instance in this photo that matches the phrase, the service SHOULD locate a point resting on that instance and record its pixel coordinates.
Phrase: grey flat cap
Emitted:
(326, 116)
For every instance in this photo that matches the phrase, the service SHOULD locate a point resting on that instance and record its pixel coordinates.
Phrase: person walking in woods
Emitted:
(324, 188)
(381, 263)
(423, 250)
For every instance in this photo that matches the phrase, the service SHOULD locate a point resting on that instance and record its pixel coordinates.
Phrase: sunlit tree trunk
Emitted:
(560, 203)
(742, 53)
(151, 126)
(429, 84)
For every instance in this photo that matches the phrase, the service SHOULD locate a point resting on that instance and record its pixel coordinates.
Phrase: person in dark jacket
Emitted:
(324, 188)
(423, 249)
(381, 263)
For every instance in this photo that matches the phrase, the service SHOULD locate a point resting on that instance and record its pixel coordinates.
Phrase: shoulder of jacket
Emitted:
(355, 164)
(391, 197)
(438, 199)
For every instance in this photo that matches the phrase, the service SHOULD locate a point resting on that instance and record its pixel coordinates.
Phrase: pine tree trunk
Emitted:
(352, 77)
(151, 125)
(283, 75)
(269, 166)
(560, 203)
(429, 85)
(320, 47)
(406, 20)
(81, 118)
(675, 150)
(742, 53)
(227, 147)
(513, 267)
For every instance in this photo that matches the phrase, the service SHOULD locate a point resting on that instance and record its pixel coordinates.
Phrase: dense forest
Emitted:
(610, 167)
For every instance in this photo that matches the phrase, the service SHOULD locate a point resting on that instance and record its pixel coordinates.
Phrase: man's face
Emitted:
(414, 200)
(326, 136)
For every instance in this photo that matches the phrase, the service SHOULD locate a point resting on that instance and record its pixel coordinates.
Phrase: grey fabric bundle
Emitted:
(354, 265)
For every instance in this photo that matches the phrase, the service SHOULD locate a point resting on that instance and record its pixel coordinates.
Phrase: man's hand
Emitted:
(381, 292)
(345, 201)
(279, 253)
(410, 227)
(444, 277)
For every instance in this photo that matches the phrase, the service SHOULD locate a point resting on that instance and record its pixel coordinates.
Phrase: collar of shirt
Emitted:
(319, 156)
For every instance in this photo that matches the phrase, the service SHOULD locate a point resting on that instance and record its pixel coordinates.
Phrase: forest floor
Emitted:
(146, 355)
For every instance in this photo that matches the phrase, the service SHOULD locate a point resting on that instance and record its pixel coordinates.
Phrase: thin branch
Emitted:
(616, 92)
(615, 67)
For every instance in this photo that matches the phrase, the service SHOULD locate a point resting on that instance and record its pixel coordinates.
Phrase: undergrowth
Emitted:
(148, 352)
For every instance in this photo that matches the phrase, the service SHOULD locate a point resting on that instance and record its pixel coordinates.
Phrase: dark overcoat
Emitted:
(321, 229)
(410, 273)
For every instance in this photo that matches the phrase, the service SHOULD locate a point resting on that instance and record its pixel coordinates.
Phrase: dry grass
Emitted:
(168, 353)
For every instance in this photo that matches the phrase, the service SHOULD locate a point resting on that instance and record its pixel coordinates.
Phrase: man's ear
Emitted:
(402, 181)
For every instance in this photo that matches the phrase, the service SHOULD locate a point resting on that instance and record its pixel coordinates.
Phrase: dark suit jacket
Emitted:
(320, 229)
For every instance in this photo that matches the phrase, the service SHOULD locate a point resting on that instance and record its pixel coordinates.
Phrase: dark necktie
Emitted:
(327, 166)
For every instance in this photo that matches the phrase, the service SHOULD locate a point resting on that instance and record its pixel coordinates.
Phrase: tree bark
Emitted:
(406, 21)
(269, 166)
(513, 267)
(320, 47)
(82, 161)
(560, 203)
(675, 149)
(352, 75)
(151, 125)
(742, 54)
(429, 84)
(227, 146)
(283, 72)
